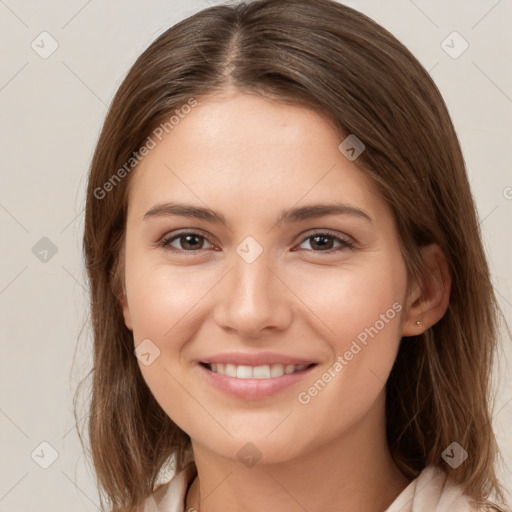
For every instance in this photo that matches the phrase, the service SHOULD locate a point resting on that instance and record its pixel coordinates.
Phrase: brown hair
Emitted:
(338, 62)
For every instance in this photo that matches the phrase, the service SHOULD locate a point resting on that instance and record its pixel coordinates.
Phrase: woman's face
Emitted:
(271, 278)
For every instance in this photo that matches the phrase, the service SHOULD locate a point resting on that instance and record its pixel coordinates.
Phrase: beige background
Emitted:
(51, 114)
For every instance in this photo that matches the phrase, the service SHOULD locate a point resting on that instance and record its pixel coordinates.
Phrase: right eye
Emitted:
(189, 242)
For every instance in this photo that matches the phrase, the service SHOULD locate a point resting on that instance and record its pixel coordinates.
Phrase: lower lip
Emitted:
(254, 389)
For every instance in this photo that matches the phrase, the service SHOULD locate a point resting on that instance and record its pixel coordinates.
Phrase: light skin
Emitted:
(249, 158)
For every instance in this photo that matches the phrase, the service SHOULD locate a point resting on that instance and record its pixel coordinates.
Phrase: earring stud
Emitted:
(419, 322)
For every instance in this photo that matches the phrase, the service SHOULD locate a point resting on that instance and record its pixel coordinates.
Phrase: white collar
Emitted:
(431, 491)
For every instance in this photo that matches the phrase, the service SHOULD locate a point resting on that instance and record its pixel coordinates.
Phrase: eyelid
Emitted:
(346, 241)
(335, 234)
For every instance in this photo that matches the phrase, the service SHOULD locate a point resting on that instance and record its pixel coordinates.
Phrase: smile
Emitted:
(255, 372)
(253, 382)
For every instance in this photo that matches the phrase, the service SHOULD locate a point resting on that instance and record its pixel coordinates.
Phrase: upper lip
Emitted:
(258, 359)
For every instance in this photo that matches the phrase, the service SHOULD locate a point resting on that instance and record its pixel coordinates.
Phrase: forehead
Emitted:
(250, 152)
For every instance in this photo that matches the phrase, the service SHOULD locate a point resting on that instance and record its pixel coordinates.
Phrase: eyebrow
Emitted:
(287, 216)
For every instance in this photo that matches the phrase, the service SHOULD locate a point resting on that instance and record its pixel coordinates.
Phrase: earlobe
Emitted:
(126, 312)
(429, 299)
(120, 288)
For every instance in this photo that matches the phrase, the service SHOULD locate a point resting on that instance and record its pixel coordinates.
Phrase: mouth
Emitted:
(254, 382)
(263, 372)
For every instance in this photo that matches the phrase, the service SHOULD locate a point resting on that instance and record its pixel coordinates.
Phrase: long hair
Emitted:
(338, 62)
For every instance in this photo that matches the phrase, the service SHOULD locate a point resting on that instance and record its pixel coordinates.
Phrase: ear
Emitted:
(126, 309)
(429, 300)
(120, 288)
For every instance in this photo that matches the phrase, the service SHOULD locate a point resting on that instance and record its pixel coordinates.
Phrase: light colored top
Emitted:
(429, 492)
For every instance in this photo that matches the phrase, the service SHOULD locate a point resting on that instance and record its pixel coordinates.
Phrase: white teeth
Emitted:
(229, 370)
(244, 372)
(256, 372)
(261, 372)
(289, 368)
(276, 370)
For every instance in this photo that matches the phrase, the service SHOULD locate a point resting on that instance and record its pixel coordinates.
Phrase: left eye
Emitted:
(325, 241)
(194, 242)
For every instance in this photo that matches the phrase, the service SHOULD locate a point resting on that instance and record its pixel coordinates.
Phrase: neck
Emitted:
(352, 472)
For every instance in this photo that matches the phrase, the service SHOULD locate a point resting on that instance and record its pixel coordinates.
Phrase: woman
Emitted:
(291, 304)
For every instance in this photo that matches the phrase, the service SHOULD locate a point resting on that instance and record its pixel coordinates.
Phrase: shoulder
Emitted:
(433, 491)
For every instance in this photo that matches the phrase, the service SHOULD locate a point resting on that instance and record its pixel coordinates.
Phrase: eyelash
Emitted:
(345, 244)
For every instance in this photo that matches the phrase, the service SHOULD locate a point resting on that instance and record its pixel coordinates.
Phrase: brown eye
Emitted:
(324, 242)
(185, 242)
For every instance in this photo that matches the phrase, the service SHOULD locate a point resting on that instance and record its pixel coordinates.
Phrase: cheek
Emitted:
(361, 308)
(364, 317)
(164, 303)
(161, 298)
(352, 299)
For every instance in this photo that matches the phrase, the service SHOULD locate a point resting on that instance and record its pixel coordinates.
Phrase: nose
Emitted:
(253, 298)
